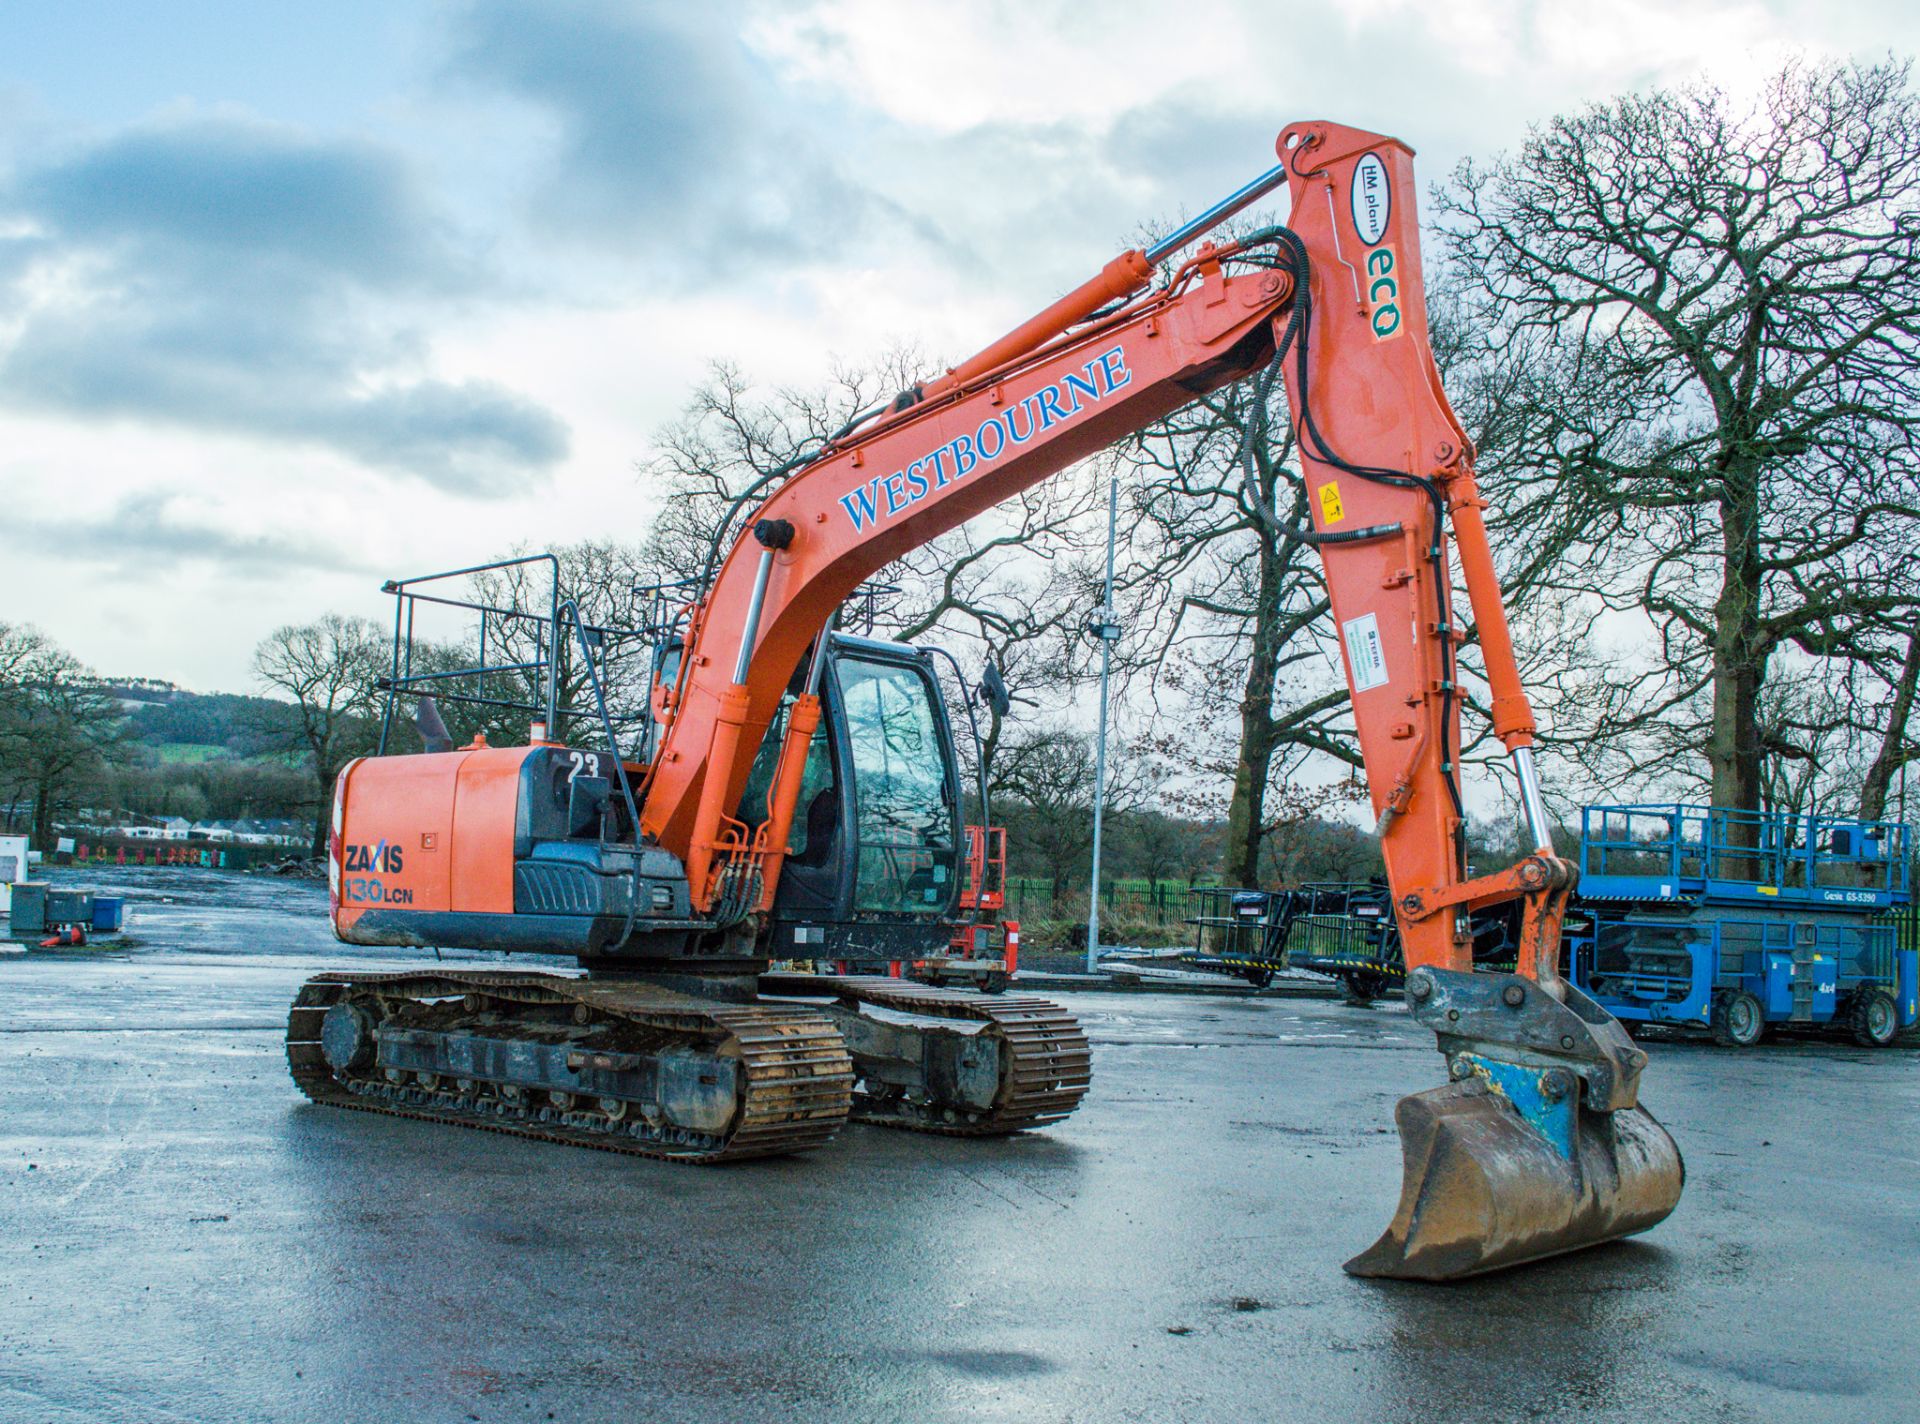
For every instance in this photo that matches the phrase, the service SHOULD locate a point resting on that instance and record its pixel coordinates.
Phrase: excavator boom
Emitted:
(948, 457)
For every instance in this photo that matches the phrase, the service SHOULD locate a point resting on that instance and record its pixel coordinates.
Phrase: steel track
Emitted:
(1046, 1073)
(796, 1072)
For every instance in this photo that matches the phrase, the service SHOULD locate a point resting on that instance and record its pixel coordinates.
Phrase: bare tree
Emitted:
(19, 645)
(1897, 746)
(1043, 784)
(1231, 618)
(1719, 308)
(328, 669)
(60, 729)
(1155, 846)
(732, 443)
(1313, 848)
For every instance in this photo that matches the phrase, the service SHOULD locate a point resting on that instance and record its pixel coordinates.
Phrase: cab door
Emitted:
(876, 827)
(904, 782)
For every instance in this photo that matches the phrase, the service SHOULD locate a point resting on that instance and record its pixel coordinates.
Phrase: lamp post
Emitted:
(1106, 628)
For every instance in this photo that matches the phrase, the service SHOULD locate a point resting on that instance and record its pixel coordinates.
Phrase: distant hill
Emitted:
(239, 725)
(141, 689)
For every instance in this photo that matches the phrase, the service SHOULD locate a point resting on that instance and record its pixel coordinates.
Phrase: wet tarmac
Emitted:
(183, 1238)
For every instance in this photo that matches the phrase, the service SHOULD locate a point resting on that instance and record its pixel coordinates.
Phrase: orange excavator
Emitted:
(796, 798)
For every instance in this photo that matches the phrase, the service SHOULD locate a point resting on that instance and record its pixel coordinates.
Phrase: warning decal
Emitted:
(1331, 509)
(1366, 659)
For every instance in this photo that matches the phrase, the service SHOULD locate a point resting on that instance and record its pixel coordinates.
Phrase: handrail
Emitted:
(1700, 842)
(572, 609)
(543, 666)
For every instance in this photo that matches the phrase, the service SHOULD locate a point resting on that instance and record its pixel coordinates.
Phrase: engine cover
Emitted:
(500, 848)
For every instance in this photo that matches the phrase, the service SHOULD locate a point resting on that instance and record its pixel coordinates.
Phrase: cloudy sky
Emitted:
(296, 298)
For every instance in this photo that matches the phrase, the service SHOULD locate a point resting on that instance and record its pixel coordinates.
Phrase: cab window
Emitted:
(904, 815)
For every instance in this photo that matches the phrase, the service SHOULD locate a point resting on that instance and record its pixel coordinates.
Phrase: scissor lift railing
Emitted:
(1672, 852)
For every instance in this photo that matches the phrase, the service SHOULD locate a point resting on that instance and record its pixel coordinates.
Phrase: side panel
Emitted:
(426, 834)
(484, 807)
(394, 815)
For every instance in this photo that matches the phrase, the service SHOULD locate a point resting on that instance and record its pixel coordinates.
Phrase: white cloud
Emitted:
(949, 68)
(1001, 152)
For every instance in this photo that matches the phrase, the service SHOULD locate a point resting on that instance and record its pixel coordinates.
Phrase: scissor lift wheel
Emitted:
(1873, 1018)
(1738, 1019)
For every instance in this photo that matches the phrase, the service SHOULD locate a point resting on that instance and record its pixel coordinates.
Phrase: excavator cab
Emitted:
(873, 867)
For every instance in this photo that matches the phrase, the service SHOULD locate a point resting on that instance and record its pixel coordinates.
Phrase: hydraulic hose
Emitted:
(1295, 339)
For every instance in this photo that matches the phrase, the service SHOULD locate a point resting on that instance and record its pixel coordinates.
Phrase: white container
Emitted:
(13, 868)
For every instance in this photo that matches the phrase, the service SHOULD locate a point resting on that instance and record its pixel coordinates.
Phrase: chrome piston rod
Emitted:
(1218, 213)
(1533, 807)
(751, 631)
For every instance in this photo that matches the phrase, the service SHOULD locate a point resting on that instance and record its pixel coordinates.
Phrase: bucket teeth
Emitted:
(1484, 1190)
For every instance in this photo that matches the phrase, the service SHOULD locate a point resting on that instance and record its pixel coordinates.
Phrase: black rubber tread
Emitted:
(1046, 1074)
(1858, 1010)
(1720, 1024)
(797, 1072)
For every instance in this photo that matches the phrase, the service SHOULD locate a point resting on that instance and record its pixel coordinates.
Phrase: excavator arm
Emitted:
(1537, 1144)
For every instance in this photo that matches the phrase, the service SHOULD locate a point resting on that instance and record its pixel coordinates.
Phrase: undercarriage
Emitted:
(630, 1065)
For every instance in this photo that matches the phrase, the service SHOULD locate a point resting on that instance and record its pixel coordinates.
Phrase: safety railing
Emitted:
(986, 868)
(516, 660)
(1230, 923)
(1680, 851)
(1343, 940)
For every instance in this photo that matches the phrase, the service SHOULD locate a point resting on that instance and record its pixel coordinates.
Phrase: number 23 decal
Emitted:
(582, 764)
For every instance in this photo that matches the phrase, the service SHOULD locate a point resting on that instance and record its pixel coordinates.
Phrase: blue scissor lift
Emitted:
(1736, 921)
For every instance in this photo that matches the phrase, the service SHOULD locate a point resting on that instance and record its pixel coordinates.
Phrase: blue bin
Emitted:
(109, 913)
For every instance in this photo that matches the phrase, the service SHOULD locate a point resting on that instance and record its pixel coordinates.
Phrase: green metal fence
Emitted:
(1159, 903)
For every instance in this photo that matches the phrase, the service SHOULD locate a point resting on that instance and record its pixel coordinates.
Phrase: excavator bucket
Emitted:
(1495, 1176)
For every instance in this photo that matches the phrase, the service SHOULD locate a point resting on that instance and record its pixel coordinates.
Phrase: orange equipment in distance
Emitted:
(973, 955)
(1537, 1144)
